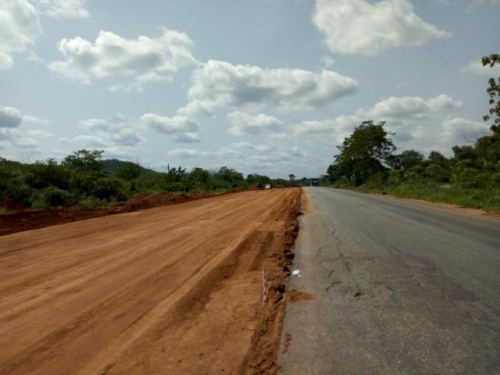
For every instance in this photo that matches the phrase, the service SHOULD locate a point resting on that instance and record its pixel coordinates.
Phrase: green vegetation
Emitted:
(368, 161)
(84, 178)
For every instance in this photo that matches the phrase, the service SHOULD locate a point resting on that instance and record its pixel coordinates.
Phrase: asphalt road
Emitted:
(400, 288)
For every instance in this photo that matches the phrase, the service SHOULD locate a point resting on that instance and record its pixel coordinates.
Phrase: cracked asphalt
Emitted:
(400, 288)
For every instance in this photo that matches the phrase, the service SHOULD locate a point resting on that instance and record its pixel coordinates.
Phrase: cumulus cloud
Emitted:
(61, 8)
(19, 27)
(246, 124)
(367, 28)
(327, 61)
(5, 61)
(221, 84)
(119, 131)
(265, 155)
(170, 125)
(11, 136)
(15, 139)
(424, 124)
(187, 153)
(412, 107)
(463, 130)
(145, 59)
(187, 138)
(10, 117)
(400, 111)
(123, 134)
(476, 67)
(249, 157)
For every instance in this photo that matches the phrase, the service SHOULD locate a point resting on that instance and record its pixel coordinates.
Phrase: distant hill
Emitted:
(111, 166)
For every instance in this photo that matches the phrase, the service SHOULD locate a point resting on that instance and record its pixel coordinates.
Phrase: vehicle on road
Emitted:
(268, 186)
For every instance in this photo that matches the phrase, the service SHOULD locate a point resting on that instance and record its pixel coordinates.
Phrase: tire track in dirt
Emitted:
(107, 295)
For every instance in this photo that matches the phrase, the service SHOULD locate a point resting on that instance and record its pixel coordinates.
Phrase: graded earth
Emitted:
(175, 289)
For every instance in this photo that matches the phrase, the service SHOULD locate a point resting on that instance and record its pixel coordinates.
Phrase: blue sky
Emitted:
(262, 86)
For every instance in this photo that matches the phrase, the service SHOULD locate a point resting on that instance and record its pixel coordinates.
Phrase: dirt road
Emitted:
(170, 290)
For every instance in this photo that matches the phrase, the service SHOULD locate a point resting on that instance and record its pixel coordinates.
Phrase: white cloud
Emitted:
(91, 141)
(187, 138)
(11, 138)
(145, 59)
(170, 125)
(34, 120)
(221, 84)
(249, 157)
(244, 124)
(5, 61)
(412, 107)
(477, 68)
(418, 123)
(187, 153)
(340, 126)
(39, 134)
(70, 72)
(367, 28)
(10, 117)
(19, 27)
(61, 8)
(463, 130)
(122, 134)
(118, 131)
(327, 61)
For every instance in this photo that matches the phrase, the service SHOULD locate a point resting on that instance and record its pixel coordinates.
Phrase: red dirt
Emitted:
(169, 290)
(26, 219)
(296, 296)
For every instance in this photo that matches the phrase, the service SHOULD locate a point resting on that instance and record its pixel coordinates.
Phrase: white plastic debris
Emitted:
(296, 272)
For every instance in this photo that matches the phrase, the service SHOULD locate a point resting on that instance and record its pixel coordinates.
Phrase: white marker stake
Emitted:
(264, 290)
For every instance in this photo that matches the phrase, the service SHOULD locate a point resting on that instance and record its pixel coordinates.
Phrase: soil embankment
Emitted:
(169, 290)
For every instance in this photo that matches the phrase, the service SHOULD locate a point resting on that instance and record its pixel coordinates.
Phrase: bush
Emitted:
(55, 197)
(19, 193)
(107, 188)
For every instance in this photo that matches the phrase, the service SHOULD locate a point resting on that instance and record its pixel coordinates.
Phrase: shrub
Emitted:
(55, 197)
(107, 188)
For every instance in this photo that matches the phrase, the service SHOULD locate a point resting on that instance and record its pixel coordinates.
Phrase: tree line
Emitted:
(368, 157)
(85, 178)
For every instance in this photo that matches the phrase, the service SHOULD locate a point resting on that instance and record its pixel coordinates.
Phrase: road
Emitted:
(399, 287)
(169, 290)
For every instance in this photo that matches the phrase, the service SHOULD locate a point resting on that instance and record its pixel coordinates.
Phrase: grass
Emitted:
(4, 211)
(486, 199)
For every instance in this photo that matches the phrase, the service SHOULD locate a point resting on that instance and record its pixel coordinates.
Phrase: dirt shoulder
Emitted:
(27, 219)
(174, 289)
(492, 214)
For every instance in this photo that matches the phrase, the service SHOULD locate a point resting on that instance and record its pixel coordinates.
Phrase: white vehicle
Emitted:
(267, 187)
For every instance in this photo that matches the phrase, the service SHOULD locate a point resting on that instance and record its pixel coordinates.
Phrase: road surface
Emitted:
(399, 287)
(169, 290)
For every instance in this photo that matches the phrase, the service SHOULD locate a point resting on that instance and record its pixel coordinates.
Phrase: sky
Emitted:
(261, 86)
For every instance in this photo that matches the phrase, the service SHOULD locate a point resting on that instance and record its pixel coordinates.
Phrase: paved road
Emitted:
(400, 287)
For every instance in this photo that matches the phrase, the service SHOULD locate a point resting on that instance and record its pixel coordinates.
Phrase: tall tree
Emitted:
(363, 154)
(493, 91)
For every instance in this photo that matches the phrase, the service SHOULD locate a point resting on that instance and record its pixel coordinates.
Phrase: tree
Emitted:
(438, 168)
(363, 154)
(408, 159)
(85, 162)
(86, 168)
(493, 90)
